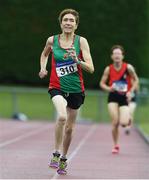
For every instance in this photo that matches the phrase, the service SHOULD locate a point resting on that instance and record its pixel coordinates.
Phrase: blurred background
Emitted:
(24, 29)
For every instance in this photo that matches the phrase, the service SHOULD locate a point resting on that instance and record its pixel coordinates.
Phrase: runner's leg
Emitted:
(113, 109)
(60, 104)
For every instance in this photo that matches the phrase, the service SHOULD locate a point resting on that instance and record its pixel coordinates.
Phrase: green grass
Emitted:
(35, 106)
(6, 106)
(142, 117)
(95, 108)
(145, 128)
(142, 113)
(38, 105)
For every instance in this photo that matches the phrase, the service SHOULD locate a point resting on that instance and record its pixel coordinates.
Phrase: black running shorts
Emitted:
(74, 100)
(121, 99)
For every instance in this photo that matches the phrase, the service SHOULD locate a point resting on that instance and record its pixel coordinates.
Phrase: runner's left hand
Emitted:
(72, 54)
(129, 96)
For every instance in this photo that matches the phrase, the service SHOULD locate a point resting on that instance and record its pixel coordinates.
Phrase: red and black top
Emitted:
(120, 79)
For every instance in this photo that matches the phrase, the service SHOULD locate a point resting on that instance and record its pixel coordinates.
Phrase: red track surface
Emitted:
(25, 148)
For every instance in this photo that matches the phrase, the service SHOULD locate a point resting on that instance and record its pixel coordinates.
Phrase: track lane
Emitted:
(89, 154)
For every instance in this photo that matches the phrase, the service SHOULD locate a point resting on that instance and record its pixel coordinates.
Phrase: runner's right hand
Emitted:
(43, 73)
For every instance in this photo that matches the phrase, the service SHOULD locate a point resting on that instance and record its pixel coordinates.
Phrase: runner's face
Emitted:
(117, 55)
(68, 24)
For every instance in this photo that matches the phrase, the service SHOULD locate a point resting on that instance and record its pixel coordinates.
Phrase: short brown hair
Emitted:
(69, 11)
(118, 47)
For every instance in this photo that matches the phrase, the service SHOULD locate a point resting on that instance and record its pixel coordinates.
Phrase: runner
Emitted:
(70, 54)
(118, 75)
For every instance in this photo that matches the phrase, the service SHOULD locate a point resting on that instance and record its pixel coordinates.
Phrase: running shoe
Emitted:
(115, 150)
(127, 131)
(62, 167)
(54, 163)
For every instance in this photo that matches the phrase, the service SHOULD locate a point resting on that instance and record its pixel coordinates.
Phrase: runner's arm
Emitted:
(87, 64)
(135, 82)
(44, 57)
(135, 78)
(103, 81)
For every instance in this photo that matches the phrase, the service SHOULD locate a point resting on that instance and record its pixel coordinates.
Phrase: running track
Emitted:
(25, 148)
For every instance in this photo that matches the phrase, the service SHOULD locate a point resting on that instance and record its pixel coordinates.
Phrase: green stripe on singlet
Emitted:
(71, 82)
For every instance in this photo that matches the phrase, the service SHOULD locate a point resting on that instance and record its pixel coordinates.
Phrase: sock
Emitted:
(63, 158)
(56, 153)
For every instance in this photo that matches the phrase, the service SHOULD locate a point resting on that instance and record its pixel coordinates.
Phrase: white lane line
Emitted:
(19, 138)
(88, 134)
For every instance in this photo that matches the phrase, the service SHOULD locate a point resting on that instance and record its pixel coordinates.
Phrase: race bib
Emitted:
(120, 86)
(63, 69)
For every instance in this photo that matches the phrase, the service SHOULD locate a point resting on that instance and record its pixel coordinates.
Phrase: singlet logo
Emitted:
(66, 56)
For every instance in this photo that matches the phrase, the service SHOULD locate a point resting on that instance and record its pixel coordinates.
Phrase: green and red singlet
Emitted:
(66, 74)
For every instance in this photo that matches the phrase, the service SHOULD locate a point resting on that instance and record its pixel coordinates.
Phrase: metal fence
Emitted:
(34, 103)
